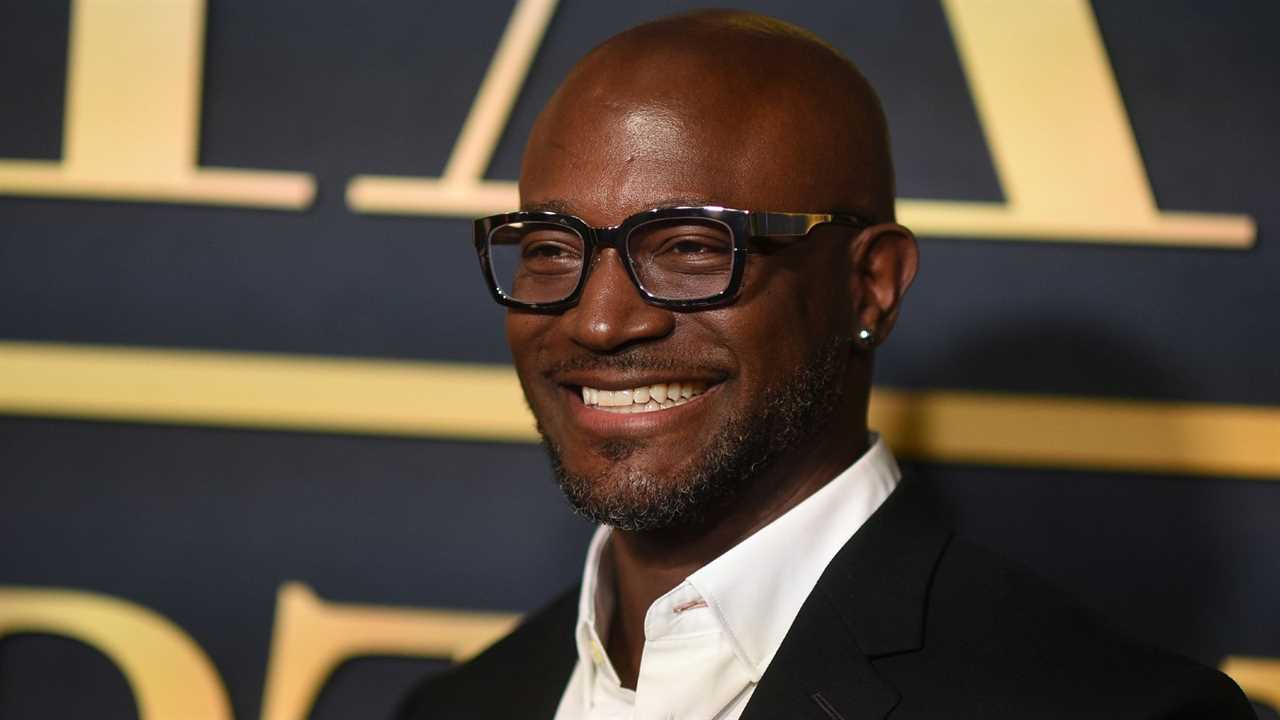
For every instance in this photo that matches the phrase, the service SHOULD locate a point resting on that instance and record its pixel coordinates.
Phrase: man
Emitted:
(700, 377)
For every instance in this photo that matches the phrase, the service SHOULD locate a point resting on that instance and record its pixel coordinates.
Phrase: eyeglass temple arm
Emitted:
(776, 224)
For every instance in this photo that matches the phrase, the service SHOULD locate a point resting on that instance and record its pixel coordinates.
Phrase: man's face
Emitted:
(765, 368)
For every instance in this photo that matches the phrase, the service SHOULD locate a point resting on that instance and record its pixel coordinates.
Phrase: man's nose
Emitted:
(611, 314)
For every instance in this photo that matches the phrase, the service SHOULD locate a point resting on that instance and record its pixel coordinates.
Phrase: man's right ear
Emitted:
(884, 262)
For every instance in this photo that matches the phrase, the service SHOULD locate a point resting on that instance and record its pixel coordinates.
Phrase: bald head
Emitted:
(720, 107)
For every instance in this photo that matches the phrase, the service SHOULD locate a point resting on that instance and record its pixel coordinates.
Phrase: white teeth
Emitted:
(647, 398)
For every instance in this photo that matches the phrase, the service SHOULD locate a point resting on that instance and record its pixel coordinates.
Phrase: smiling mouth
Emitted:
(643, 399)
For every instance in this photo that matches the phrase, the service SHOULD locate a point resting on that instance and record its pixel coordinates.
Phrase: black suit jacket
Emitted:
(906, 622)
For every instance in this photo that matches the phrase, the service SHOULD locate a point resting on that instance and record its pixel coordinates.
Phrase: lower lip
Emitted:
(603, 422)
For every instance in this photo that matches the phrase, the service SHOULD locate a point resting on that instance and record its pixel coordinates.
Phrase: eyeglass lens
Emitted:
(681, 258)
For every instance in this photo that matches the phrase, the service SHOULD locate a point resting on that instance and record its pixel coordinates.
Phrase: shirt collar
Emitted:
(757, 587)
(595, 612)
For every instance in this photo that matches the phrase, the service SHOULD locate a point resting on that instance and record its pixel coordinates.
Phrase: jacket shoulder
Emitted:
(527, 669)
(1001, 631)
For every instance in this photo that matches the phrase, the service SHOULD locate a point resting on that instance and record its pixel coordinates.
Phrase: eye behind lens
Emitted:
(535, 262)
(682, 258)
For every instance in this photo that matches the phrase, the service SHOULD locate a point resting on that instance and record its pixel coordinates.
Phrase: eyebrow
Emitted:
(565, 207)
(556, 206)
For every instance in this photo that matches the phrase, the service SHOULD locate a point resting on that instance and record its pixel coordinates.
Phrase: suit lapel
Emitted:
(820, 673)
(870, 602)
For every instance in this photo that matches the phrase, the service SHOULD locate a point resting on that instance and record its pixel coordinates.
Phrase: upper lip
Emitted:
(628, 381)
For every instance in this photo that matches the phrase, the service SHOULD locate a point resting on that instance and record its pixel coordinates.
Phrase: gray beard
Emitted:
(745, 446)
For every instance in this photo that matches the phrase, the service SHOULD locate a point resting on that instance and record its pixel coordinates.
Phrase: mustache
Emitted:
(630, 360)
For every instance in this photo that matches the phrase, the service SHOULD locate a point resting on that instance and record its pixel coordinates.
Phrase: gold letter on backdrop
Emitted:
(169, 674)
(1259, 677)
(312, 637)
(132, 120)
(1046, 96)
(463, 191)
(1059, 136)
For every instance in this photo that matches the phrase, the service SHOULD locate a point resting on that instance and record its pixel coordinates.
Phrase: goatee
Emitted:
(746, 444)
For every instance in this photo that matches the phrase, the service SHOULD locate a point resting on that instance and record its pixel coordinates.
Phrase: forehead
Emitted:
(609, 153)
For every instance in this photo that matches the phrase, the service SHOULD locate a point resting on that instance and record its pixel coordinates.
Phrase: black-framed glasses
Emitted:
(681, 257)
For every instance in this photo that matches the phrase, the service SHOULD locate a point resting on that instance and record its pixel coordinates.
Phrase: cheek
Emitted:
(781, 324)
(790, 304)
(515, 330)
(768, 345)
(524, 337)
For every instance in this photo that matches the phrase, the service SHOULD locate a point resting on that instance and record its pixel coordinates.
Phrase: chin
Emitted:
(624, 485)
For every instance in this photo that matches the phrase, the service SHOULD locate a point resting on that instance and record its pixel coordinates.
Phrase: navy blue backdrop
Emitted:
(204, 524)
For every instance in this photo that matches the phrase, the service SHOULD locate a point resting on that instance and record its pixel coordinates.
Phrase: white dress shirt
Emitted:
(708, 641)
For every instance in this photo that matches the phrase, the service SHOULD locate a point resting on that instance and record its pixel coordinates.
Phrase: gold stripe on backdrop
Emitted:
(483, 402)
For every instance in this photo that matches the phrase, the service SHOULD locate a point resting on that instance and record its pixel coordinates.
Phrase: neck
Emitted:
(649, 564)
